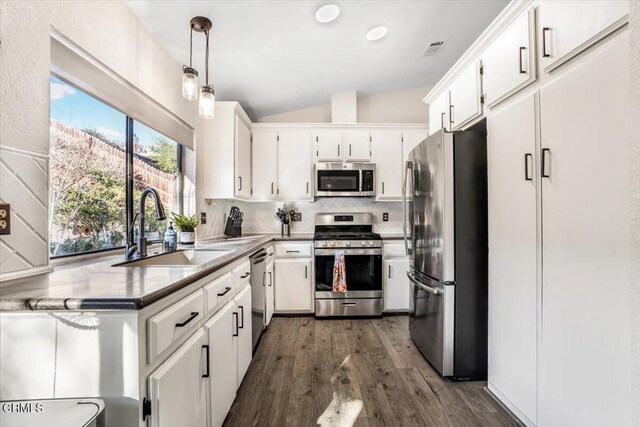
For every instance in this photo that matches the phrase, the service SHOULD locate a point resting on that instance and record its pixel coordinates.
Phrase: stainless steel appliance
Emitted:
(258, 298)
(353, 234)
(336, 179)
(447, 216)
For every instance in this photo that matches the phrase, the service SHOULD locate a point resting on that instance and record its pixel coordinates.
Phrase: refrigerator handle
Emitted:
(408, 166)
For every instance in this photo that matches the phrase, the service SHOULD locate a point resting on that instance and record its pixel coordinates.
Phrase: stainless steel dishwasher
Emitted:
(258, 273)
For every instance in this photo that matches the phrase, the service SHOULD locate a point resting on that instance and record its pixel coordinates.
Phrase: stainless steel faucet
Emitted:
(141, 247)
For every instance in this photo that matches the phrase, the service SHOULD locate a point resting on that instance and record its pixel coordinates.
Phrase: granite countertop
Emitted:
(95, 284)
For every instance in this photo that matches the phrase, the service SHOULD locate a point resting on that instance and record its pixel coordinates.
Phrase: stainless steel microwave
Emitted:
(336, 179)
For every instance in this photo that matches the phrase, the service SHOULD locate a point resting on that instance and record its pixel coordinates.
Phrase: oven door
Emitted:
(363, 268)
(343, 183)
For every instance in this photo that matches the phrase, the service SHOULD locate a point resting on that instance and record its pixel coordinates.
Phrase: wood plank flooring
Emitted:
(367, 368)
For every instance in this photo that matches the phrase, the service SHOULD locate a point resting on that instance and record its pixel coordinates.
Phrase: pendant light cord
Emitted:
(206, 59)
(191, 47)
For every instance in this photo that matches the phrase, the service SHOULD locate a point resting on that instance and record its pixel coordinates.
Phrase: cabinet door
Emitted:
(293, 285)
(439, 113)
(513, 289)
(396, 284)
(178, 390)
(269, 291)
(569, 27)
(223, 362)
(464, 97)
(328, 145)
(244, 339)
(585, 131)
(243, 160)
(389, 164)
(296, 169)
(264, 165)
(357, 145)
(509, 62)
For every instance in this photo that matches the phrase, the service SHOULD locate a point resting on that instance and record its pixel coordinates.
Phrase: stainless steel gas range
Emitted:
(353, 234)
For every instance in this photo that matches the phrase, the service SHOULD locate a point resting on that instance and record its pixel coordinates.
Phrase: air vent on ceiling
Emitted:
(433, 49)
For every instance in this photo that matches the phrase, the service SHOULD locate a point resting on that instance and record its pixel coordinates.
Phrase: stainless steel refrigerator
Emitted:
(446, 223)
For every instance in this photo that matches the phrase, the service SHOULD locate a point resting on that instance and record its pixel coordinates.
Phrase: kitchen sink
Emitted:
(181, 258)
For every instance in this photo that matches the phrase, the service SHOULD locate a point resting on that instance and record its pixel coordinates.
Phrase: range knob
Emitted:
(333, 244)
(348, 244)
(324, 243)
(370, 242)
(363, 243)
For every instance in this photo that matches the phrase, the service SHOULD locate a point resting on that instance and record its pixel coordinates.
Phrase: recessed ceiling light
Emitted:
(377, 33)
(327, 13)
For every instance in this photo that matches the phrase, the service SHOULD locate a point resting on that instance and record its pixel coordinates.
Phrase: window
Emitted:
(89, 152)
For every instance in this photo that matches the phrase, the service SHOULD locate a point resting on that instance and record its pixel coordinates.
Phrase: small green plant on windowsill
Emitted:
(186, 225)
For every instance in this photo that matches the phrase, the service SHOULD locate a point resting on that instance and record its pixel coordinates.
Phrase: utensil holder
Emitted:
(285, 230)
(233, 228)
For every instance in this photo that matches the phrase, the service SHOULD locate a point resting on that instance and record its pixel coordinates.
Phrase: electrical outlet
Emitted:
(203, 217)
(297, 216)
(385, 217)
(5, 218)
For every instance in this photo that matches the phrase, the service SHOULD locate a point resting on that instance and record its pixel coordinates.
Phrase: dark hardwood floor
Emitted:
(368, 367)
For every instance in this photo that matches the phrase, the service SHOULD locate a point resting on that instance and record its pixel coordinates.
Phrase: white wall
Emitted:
(635, 207)
(403, 106)
(108, 31)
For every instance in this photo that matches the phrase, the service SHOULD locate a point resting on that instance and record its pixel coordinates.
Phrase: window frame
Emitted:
(129, 181)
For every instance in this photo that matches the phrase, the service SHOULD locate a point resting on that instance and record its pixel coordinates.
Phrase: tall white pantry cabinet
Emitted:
(558, 181)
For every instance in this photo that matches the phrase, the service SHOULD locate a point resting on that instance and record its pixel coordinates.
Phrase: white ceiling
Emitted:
(273, 56)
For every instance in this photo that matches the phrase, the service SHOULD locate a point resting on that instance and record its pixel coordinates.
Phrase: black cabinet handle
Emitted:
(240, 183)
(338, 150)
(451, 114)
(522, 71)
(226, 291)
(235, 313)
(527, 177)
(270, 278)
(194, 314)
(293, 252)
(383, 187)
(389, 273)
(349, 150)
(442, 120)
(544, 173)
(206, 347)
(246, 275)
(264, 279)
(545, 30)
(305, 272)
(241, 326)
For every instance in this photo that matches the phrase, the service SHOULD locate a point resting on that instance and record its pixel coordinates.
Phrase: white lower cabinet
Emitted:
(396, 284)
(293, 291)
(178, 388)
(243, 332)
(223, 363)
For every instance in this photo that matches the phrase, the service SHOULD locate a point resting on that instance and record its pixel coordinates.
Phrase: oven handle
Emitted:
(429, 289)
(326, 252)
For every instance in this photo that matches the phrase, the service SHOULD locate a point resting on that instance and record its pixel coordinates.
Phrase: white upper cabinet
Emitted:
(465, 97)
(439, 113)
(243, 159)
(224, 154)
(568, 27)
(328, 146)
(264, 165)
(295, 171)
(357, 145)
(509, 62)
(389, 163)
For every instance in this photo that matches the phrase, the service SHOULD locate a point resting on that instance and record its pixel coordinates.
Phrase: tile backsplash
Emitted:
(259, 216)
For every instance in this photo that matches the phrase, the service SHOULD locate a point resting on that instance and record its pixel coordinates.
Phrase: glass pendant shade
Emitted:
(189, 83)
(207, 102)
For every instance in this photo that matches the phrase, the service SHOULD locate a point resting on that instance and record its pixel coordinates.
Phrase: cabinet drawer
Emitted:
(218, 291)
(242, 274)
(293, 250)
(173, 322)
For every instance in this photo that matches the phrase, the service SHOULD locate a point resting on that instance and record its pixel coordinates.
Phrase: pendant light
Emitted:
(190, 75)
(206, 107)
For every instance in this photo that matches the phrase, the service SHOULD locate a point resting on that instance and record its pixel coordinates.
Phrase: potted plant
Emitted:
(186, 225)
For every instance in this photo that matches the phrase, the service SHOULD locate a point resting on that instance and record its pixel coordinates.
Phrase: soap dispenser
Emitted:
(171, 238)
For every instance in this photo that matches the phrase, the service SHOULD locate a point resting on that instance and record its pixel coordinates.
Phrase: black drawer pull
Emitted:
(349, 304)
(235, 313)
(226, 291)
(245, 276)
(241, 326)
(206, 347)
(194, 314)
